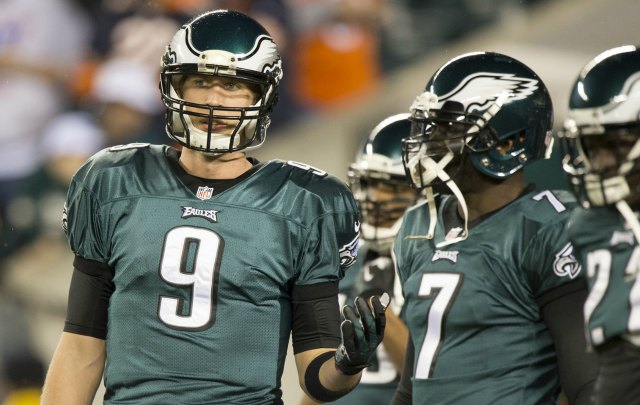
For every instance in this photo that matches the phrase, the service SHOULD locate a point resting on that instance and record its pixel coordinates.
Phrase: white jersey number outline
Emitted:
(442, 289)
(204, 247)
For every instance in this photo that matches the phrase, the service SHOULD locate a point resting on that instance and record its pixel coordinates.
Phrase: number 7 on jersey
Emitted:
(442, 289)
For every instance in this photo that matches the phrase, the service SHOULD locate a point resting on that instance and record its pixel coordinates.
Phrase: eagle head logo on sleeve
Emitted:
(565, 263)
(349, 253)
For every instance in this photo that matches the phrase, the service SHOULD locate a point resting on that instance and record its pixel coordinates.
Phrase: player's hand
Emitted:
(375, 278)
(362, 331)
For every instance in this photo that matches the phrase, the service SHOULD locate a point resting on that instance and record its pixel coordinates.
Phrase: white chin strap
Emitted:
(431, 171)
(198, 138)
(631, 218)
(622, 190)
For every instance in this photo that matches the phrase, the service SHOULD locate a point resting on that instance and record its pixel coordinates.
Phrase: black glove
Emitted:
(376, 277)
(362, 331)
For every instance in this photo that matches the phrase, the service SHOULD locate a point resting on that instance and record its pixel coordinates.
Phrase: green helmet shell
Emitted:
(382, 149)
(607, 91)
(250, 47)
(504, 100)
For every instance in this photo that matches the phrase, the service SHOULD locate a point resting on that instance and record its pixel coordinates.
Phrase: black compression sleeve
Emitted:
(403, 394)
(89, 294)
(619, 376)
(562, 313)
(316, 316)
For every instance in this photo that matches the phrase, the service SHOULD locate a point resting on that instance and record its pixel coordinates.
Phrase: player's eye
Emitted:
(202, 83)
(234, 86)
(197, 83)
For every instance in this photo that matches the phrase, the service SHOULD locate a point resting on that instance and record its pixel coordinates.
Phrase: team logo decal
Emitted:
(481, 90)
(616, 110)
(170, 57)
(565, 263)
(349, 253)
(65, 222)
(204, 192)
(209, 215)
(452, 256)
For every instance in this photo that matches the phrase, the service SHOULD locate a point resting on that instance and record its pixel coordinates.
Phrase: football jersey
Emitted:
(610, 256)
(379, 380)
(471, 306)
(201, 311)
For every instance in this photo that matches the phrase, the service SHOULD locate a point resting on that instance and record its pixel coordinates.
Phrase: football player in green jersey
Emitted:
(601, 140)
(382, 192)
(493, 297)
(194, 266)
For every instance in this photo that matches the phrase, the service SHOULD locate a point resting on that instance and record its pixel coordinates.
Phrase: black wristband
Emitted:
(312, 380)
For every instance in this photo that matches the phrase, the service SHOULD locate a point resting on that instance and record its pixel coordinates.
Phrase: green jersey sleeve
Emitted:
(82, 217)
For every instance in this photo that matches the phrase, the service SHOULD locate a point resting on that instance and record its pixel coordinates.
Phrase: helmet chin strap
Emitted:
(218, 141)
(629, 216)
(431, 171)
(623, 191)
(221, 141)
(465, 214)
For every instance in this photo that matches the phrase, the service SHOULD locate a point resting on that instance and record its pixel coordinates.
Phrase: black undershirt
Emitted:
(218, 185)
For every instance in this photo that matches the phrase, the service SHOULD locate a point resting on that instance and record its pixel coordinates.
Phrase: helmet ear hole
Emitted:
(505, 146)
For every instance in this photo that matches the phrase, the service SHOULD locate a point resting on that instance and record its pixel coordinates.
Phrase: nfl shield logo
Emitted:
(204, 192)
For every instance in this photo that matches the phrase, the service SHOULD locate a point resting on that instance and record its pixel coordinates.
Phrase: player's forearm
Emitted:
(75, 371)
(395, 340)
(319, 377)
